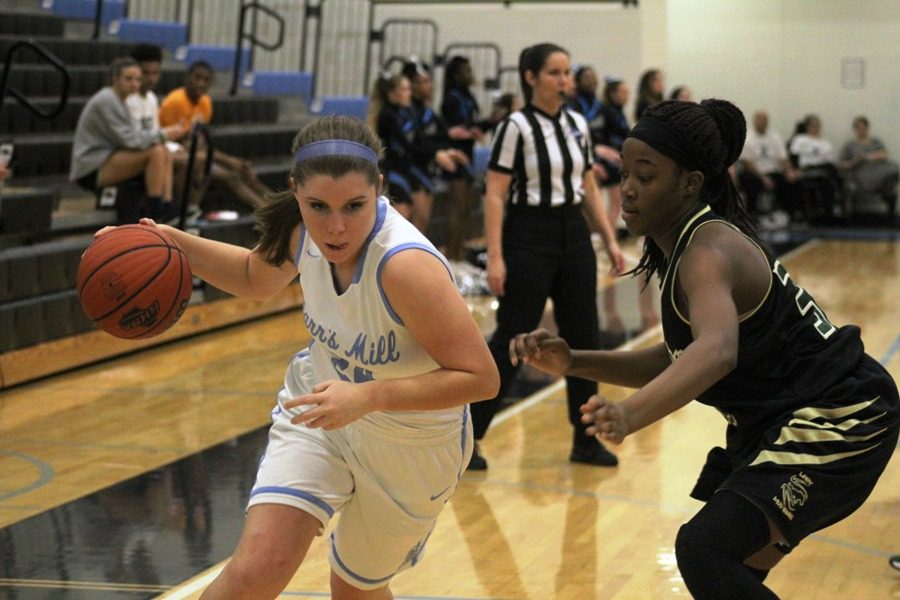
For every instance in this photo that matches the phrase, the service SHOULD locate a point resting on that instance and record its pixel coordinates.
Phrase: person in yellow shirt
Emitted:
(192, 103)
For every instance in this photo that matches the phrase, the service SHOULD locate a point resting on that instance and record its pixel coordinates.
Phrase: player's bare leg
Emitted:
(272, 547)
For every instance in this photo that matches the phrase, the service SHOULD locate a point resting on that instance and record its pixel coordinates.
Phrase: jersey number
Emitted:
(805, 304)
(360, 375)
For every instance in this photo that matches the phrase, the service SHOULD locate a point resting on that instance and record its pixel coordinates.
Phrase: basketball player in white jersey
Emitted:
(372, 421)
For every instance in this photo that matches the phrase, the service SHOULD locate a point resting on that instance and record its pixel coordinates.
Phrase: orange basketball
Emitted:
(134, 281)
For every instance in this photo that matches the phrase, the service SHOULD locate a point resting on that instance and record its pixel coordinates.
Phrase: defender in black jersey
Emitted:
(812, 420)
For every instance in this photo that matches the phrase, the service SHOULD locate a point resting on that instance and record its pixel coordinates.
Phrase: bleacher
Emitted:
(46, 221)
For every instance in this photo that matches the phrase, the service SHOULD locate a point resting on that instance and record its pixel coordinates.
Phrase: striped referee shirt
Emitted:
(546, 155)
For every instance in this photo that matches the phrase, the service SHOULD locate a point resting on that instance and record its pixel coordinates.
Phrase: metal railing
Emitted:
(256, 7)
(404, 39)
(20, 96)
(199, 133)
(333, 39)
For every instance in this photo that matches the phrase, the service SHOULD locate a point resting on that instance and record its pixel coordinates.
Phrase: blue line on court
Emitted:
(894, 349)
(45, 474)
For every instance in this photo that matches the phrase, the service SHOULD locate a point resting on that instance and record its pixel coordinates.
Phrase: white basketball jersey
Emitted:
(356, 335)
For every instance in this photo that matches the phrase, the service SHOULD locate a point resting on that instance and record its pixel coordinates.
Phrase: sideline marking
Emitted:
(194, 586)
(45, 474)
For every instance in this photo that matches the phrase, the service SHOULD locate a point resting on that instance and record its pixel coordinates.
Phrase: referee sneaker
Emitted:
(542, 247)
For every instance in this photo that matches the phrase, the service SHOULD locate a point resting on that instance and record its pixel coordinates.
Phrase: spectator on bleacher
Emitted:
(392, 117)
(585, 99)
(192, 103)
(865, 160)
(611, 135)
(461, 113)
(108, 149)
(764, 167)
(815, 160)
(682, 93)
(144, 109)
(649, 92)
(431, 142)
(143, 104)
(606, 158)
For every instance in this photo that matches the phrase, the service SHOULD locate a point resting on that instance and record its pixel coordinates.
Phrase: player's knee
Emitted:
(258, 577)
(691, 548)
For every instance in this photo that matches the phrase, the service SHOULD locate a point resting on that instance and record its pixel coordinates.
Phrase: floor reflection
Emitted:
(137, 538)
(144, 535)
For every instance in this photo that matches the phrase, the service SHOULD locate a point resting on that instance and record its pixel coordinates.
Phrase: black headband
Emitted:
(660, 136)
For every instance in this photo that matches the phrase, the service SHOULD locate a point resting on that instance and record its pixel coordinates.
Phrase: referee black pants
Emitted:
(548, 254)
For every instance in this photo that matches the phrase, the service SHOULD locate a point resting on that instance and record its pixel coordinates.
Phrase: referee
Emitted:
(542, 247)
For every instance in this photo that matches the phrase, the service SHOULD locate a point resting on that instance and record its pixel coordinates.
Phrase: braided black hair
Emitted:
(712, 134)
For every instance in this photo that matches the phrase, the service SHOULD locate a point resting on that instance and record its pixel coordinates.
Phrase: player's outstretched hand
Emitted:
(334, 404)
(542, 350)
(108, 228)
(605, 419)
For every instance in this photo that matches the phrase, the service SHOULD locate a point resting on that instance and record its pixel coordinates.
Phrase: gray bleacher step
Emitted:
(84, 80)
(26, 212)
(31, 22)
(17, 120)
(50, 153)
(78, 213)
(68, 51)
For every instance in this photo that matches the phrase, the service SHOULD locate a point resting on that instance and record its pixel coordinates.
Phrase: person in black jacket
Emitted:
(462, 115)
(392, 117)
(432, 148)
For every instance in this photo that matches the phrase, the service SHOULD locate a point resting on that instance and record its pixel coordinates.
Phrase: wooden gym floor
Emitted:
(128, 479)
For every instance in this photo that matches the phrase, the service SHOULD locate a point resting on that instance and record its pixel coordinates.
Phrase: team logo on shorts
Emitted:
(412, 557)
(794, 494)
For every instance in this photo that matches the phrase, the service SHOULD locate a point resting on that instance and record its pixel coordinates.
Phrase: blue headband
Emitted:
(659, 135)
(335, 148)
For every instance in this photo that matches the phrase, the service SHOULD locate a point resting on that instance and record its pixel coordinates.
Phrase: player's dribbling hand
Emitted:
(104, 231)
(334, 404)
(542, 350)
(605, 419)
(108, 228)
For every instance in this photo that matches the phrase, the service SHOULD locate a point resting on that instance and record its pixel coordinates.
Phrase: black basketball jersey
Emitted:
(788, 350)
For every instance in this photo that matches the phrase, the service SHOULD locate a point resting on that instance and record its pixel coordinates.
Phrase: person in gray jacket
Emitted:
(108, 149)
